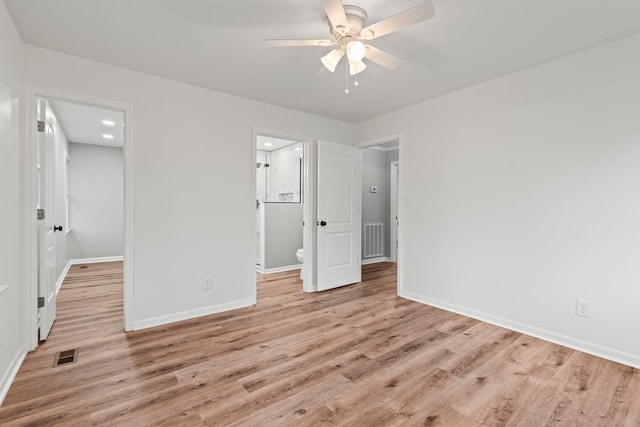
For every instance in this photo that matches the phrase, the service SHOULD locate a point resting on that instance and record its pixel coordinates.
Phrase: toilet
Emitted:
(300, 256)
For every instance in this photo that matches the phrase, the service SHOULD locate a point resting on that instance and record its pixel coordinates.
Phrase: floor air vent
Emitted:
(65, 357)
(83, 266)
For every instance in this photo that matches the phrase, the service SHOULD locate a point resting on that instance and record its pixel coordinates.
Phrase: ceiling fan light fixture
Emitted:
(355, 51)
(356, 67)
(331, 59)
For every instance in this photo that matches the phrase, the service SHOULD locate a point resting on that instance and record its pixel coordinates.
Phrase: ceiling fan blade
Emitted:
(331, 59)
(356, 67)
(413, 15)
(293, 42)
(381, 57)
(335, 12)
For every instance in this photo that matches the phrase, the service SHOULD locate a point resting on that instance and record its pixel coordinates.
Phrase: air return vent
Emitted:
(65, 357)
(373, 240)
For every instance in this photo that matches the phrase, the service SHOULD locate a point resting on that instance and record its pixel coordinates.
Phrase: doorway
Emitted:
(279, 204)
(280, 162)
(62, 215)
(380, 201)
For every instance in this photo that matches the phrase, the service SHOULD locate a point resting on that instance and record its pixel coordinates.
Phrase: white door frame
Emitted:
(380, 141)
(393, 211)
(308, 215)
(28, 226)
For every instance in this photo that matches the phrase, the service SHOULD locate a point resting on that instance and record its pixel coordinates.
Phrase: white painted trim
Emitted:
(394, 176)
(62, 276)
(191, 314)
(583, 346)
(28, 188)
(11, 373)
(310, 218)
(96, 260)
(375, 260)
(28, 223)
(281, 269)
(380, 141)
(3, 288)
(379, 148)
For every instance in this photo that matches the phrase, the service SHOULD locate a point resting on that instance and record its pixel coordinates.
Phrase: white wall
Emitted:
(282, 234)
(96, 189)
(520, 195)
(284, 174)
(11, 296)
(193, 171)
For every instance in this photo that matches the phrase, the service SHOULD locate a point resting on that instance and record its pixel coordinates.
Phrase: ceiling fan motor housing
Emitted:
(356, 16)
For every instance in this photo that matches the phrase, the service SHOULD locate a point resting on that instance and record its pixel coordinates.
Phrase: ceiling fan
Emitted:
(346, 24)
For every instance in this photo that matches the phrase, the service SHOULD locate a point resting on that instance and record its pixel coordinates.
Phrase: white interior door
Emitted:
(46, 240)
(394, 210)
(339, 217)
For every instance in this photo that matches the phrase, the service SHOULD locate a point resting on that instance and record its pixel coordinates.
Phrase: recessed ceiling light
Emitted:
(108, 122)
(107, 136)
(268, 144)
(298, 148)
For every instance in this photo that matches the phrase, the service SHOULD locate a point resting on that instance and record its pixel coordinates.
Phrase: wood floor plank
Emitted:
(357, 355)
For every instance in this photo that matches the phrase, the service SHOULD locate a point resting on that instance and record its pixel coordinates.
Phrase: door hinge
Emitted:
(40, 214)
(40, 302)
(40, 126)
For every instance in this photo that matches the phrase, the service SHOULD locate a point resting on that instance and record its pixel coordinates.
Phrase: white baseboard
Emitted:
(11, 373)
(280, 269)
(62, 276)
(576, 344)
(375, 260)
(96, 260)
(190, 314)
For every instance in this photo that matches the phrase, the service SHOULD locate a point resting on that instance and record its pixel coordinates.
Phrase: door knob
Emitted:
(57, 228)
(323, 223)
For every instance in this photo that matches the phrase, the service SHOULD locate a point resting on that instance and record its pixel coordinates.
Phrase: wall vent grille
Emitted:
(373, 240)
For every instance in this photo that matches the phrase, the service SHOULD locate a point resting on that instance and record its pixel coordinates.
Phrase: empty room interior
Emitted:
(320, 212)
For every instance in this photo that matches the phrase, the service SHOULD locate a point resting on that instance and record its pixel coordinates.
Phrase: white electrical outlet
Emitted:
(206, 283)
(583, 308)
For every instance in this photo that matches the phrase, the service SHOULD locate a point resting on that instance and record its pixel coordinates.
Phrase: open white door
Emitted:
(339, 218)
(46, 241)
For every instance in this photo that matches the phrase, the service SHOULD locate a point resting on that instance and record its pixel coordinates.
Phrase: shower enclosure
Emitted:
(279, 197)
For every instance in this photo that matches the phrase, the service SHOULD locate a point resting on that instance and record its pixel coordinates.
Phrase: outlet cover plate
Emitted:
(206, 283)
(583, 308)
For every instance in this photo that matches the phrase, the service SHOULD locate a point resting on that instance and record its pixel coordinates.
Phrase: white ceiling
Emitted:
(83, 123)
(219, 44)
(268, 143)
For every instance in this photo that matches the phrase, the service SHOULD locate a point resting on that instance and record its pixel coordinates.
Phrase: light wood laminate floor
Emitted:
(354, 356)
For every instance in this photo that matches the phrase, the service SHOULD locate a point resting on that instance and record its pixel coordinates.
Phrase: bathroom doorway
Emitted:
(280, 196)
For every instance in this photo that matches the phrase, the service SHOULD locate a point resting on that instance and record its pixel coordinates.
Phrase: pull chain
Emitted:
(346, 77)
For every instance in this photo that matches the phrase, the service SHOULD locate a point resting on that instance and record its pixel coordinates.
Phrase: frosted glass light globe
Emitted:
(355, 51)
